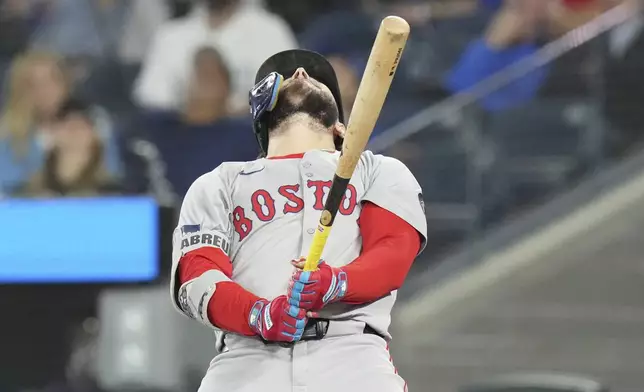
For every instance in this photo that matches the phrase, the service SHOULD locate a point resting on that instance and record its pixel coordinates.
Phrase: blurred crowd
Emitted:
(142, 96)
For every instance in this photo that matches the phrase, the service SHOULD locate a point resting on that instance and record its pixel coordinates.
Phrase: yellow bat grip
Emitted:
(317, 246)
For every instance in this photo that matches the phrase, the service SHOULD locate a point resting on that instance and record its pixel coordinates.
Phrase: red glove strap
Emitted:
(316, 289)
(276, 321)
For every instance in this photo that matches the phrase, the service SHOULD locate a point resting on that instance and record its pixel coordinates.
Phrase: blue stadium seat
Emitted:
(542, 128)
(444, 177)
(433, 49)
(398, 107)
(109, 84)
(542, 144)
(344, 31)
(190, 151)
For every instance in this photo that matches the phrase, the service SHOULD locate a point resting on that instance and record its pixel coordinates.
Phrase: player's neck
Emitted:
(298, 139)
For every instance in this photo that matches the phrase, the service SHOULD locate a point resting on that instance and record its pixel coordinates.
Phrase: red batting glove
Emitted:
(277, 321)
(313, 290)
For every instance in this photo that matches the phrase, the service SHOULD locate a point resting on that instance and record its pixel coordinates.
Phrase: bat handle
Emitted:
(317, 246)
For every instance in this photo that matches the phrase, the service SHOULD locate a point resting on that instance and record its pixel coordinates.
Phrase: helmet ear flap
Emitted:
(263, 99)
(263, 96)
(275, 93)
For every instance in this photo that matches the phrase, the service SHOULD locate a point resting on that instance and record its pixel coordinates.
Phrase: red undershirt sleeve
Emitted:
(389, 247)
(230, 306)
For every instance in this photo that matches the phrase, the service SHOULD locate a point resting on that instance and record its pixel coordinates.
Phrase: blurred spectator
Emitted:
(38, 85)
(200, 135)
(209, 89)
(74, 166)
(518, 30)
(511, 36)
(100, 28)
(80, 28)
(569, 14)
(141, 23)
(227, 24)
(442, 31)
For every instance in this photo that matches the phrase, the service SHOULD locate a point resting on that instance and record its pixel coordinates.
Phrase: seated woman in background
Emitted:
(38, 85)
(74, 166)
(209, 91)
(202, 133)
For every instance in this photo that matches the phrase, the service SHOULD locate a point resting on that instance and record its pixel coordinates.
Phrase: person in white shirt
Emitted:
(141, 23)
(244, 34)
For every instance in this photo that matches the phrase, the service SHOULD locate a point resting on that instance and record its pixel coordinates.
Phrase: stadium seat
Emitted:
(543, 128)
(543, 143)
(109, 83)
(343, 31)
(399, 106)
(537, 383)
(189, 151)
(434, 48)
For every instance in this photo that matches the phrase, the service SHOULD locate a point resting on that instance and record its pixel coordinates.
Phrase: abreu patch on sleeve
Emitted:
(195, 240)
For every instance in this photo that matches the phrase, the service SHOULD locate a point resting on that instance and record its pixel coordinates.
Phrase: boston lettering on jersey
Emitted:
(206, 239)
(264, 205)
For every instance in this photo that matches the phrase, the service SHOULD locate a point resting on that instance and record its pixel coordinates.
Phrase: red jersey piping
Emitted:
(289, 156)
(295, 156)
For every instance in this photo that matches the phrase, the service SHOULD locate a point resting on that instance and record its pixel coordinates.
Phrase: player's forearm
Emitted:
(389, 248)
(230, 305)
(382, 269)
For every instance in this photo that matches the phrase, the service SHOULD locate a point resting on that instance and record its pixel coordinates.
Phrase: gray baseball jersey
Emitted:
(264, 213)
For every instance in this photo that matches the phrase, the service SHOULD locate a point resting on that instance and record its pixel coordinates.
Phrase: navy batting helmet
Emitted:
(263, 97)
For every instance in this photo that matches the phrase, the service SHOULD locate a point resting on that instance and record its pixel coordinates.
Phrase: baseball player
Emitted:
(244, 226)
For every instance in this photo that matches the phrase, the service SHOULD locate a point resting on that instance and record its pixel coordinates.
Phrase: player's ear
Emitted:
(339, 129)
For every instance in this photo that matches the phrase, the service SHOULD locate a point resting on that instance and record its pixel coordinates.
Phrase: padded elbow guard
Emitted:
(192, 297)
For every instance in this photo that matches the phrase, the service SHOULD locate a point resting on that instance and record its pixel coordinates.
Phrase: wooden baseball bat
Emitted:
(376, 80)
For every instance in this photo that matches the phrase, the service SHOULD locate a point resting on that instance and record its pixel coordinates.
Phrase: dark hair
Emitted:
(74, 106)
(223, 65)
(86, 178)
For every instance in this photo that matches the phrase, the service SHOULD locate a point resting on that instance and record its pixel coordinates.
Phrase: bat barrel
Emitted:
(374, 86)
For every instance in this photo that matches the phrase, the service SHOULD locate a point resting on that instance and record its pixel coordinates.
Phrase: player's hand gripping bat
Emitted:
(376, 80)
